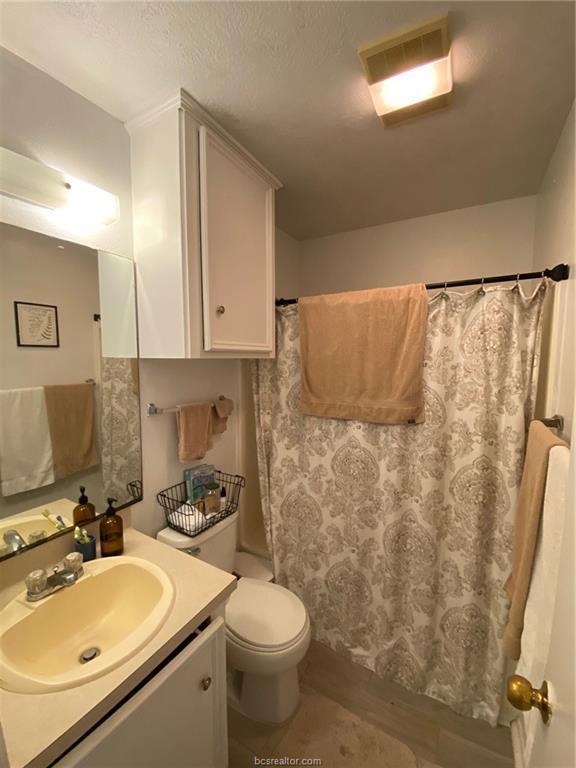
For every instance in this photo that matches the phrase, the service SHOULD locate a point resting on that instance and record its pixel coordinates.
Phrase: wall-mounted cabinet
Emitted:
(203, 238)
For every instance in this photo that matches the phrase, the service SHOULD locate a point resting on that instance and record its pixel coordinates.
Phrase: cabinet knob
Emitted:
(206, 683)
(220, 309)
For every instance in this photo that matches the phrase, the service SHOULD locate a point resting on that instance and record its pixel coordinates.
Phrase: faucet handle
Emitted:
(73, 562)
(36, 581)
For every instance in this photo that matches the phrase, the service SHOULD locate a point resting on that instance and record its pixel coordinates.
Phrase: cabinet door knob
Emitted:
(220, 309)
(206, 683)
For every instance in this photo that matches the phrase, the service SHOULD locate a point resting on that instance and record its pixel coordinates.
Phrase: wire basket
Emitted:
(183, 517)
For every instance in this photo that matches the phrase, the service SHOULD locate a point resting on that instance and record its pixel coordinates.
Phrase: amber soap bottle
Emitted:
(111, 532)
(83, 511)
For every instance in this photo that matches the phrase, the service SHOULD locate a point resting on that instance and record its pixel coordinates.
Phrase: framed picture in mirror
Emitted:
(36, 324)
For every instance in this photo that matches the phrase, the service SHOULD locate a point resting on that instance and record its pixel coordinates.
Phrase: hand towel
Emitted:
(72, 431)
(194, 431)
(25, 448)
(362, 354)
(528, 514)
(222, 408)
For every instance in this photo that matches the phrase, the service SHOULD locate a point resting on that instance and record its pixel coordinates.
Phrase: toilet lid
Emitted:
(264, 614)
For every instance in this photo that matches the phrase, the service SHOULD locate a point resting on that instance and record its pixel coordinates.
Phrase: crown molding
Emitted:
(183, 100)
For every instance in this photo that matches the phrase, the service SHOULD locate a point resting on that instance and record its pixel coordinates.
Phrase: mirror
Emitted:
(69, 399)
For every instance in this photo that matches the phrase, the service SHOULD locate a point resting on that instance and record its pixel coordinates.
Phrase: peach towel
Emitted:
(528, 514)
(222, 408)
(194, 423)
(70, 409)
(362, 354)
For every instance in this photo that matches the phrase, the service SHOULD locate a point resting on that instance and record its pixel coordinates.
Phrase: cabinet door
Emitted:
(177, 720)
(237, 235)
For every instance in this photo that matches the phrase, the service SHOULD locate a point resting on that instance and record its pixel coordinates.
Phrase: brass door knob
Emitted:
(206, 683)
(220, 309)
(523, 696)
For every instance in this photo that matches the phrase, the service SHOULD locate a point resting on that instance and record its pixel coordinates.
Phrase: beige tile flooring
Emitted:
(348, 718)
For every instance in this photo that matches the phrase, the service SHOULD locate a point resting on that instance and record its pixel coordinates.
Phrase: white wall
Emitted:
(288, 269)
(36, 268)
(46, 121)
(470, 242)
(554, 244)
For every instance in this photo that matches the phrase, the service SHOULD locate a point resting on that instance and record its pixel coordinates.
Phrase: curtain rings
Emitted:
(517, 283)
(444, 291)
(482, 290)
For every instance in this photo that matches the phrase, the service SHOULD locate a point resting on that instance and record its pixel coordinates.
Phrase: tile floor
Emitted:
(349, 718)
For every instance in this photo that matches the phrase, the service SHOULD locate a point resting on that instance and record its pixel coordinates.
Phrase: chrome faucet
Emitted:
(13, 540)
(39, 585)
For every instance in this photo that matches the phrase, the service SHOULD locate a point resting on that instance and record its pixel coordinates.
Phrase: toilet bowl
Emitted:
(267, 630)
(267, 636)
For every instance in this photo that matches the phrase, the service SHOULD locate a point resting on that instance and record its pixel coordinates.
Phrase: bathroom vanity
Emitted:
(168, 698)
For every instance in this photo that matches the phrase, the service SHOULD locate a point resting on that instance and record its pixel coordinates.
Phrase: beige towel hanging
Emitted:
(70, 409)
(362, 354)
(528, 514)
(222, 408)
(194, 423)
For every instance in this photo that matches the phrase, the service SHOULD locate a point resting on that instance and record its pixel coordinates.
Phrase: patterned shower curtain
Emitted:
(398, 538)
(120, 429)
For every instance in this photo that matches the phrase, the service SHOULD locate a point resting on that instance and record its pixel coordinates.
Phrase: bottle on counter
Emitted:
(222, 499)
(211, 499)
(111, 532)
(84, 511)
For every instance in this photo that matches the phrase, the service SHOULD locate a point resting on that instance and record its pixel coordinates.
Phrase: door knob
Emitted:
(220, 309)
(206, 682)
(522, 696)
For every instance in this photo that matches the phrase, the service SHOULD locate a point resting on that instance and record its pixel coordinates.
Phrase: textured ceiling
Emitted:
(285, 80)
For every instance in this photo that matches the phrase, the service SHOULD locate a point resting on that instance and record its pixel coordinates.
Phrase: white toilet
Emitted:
(267, 629)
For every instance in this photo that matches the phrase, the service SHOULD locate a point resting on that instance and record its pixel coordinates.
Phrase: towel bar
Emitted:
(152, 410)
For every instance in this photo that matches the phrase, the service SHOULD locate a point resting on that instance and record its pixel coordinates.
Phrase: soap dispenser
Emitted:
(111, 532)
(84, 511)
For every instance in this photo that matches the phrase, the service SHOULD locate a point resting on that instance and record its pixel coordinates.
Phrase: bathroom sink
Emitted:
(27, 524)
(85, 630)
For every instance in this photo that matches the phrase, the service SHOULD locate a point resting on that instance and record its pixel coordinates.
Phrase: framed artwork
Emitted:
(36, 324)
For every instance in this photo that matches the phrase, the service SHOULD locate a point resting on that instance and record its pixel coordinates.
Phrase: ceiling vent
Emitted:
(409, 73)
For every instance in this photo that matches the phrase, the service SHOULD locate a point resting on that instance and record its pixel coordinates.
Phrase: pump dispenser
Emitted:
(84, 511)
(111, 532)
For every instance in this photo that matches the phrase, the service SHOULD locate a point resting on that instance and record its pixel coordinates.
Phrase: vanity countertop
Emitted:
(38, 728)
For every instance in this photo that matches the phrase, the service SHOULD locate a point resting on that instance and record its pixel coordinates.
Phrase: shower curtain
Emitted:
(398, 538)
(120, 428)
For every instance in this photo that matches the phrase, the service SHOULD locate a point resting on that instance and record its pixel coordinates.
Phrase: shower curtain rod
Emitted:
(558, 273)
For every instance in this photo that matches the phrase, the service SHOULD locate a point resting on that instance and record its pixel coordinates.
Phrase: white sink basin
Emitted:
(115, 608)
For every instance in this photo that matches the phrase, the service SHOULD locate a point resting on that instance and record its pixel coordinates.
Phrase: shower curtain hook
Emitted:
(444, 294)
(481, 290)
(517, 283)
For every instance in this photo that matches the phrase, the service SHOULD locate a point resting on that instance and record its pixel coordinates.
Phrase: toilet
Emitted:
(267, 629)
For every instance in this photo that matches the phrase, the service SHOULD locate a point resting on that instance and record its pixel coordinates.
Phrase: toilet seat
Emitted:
(264, 616)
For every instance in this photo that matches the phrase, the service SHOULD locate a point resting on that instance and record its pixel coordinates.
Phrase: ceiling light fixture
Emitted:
(72, 200)
(410, 72)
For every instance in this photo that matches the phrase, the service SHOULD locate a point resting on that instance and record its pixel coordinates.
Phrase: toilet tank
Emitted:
(216, 546)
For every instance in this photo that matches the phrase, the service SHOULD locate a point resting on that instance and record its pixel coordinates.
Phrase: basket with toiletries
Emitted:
(205, 497)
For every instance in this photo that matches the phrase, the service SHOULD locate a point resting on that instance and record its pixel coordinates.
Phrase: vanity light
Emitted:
(72, 200)
(409, 73)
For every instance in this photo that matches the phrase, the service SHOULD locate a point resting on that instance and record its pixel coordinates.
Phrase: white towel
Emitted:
(25, 447)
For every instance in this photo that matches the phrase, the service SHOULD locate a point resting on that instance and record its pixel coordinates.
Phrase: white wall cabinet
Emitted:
(176, 720)
(203, 237)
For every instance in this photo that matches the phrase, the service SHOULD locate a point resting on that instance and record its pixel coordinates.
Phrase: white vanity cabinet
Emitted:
(177, 719)
(203, 237)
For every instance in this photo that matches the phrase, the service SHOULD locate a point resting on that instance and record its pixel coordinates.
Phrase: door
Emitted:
(548, 637)
(237, 243)
(176, 720)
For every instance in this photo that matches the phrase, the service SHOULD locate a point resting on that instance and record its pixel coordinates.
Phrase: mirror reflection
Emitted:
(69, 399)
